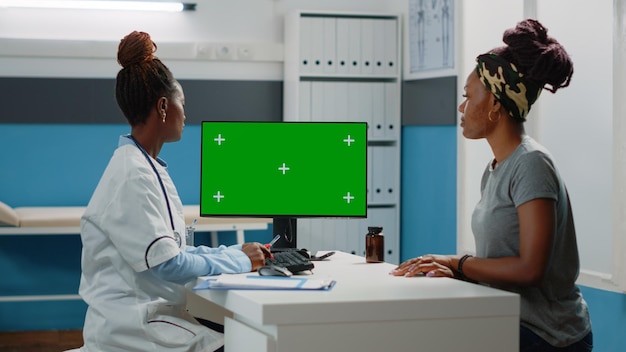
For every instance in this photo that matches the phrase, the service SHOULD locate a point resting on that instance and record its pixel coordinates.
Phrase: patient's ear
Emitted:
(162, 105)
(8, 216)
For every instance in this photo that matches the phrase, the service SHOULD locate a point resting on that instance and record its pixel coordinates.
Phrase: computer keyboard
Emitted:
(293, 260)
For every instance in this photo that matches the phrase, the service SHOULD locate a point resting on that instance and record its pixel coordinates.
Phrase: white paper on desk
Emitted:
(255, 282)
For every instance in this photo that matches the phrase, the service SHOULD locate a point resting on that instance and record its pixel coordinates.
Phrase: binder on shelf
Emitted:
(378, 111)
(354, 47)
(343, 45)
(341, 236)
(341, 101)
(318, 102)
(353, 102)
(392, 111)
(329, 113)
(380, 55)
(378, 174)
(391, 47)
(330, 45)
(305, 101)
(384, 174)
(365, 105)
(387, 160)
(367, 46)
(255, 282)
(306, 43)
(317, 44)
(324, 232)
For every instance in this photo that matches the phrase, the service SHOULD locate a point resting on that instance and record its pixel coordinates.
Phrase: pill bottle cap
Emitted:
(375, 229)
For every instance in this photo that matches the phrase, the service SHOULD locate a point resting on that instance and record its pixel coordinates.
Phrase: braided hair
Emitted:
(143, 78)
(538, 56)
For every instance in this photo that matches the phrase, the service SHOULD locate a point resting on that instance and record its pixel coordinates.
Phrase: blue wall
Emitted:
(61, 165)
(50, 165)
(428, 211)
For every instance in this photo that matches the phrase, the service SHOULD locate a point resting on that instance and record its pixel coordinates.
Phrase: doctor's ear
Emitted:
(162, 103)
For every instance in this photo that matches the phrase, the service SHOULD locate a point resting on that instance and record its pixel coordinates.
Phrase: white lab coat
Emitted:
(125, 231)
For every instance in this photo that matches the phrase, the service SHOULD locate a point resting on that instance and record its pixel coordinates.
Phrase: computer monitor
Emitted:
(284, 171)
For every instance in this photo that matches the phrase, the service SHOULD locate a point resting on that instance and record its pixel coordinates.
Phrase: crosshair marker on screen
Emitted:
(348, 197)
(284, 168)
(219, 139)
(218, 196)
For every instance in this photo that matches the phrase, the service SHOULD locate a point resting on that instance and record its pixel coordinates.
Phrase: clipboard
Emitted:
(256, 282)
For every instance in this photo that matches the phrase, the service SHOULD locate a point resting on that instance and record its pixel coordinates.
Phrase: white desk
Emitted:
(368, 310)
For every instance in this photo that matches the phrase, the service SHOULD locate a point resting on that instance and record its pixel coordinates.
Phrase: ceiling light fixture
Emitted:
(167, 6)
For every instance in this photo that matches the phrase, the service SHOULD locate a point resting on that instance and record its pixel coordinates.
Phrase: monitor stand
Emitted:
(286, 228)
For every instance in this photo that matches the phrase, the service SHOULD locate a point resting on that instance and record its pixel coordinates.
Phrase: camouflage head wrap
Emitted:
(509, 86)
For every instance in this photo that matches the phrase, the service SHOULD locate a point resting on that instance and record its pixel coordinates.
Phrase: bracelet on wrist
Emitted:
(459, 267)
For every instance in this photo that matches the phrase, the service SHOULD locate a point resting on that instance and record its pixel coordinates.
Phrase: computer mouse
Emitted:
(274, 270)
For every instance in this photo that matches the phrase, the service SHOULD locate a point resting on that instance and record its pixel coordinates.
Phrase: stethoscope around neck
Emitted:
(177, 237)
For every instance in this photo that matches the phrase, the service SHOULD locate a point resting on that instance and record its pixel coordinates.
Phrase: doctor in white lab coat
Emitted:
(135, 259)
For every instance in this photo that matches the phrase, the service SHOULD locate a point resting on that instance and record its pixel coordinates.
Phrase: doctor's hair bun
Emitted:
(537, 55)
(135, 48)
(143, 79)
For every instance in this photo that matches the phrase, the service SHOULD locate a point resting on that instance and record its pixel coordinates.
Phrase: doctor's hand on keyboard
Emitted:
(257, 253)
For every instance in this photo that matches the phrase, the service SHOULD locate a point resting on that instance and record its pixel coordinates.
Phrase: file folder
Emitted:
(256, 282)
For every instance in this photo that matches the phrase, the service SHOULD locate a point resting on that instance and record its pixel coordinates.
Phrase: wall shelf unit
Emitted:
(347, 67)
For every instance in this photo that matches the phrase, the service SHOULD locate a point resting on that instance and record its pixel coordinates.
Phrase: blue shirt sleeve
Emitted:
(202, 261)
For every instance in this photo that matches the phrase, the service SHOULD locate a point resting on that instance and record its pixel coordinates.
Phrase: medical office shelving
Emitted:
(346, 67)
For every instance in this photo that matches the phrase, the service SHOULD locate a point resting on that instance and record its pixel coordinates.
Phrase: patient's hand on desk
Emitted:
(428, 265)
(257, 254)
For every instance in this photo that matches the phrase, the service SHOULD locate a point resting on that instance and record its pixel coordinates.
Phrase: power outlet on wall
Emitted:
(205, 51)
(244, 52)
(225, 52)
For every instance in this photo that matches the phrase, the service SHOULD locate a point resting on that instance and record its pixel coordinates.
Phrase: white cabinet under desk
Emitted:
(368, 310)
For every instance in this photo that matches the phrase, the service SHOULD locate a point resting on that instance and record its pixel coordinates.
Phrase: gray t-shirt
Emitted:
(555, 310)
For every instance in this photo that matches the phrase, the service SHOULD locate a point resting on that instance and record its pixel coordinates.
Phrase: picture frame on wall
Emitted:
(430, 39)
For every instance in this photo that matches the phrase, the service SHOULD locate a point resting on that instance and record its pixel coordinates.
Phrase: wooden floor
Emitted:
(40, 341)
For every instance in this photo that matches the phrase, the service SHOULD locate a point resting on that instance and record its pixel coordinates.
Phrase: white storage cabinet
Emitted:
(346, 67)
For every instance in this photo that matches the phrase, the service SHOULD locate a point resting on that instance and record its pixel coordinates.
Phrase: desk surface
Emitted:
(365, 292)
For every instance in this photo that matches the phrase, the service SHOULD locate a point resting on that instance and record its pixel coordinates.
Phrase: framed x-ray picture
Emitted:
(430, 39)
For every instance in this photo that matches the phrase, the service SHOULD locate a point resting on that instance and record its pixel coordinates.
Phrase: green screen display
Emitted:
(298, 169)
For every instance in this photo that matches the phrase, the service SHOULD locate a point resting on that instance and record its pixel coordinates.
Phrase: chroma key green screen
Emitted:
(296, 169)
